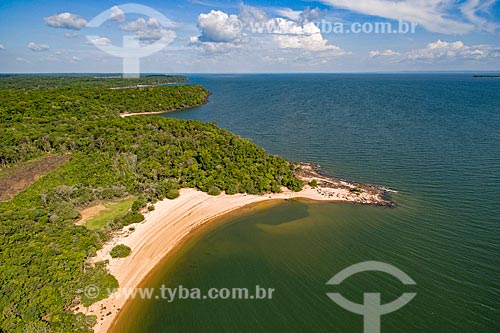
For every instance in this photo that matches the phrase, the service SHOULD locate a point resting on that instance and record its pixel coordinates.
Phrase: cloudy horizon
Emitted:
(256, 36)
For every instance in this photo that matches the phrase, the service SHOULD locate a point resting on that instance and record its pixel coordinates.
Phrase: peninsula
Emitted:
(65, 150)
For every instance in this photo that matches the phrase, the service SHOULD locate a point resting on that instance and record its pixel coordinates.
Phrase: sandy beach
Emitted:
(170, 222)
(127, 114)
(123, 114)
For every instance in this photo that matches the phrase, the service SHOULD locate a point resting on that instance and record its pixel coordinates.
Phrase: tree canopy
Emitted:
(42, 252)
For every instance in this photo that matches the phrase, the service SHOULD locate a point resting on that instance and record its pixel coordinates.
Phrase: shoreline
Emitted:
(123, 114)
(128, 114)
(147, 85)
(164, 228)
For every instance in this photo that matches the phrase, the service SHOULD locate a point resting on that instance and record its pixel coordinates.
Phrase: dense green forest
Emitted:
(33, 81)
(42, 251)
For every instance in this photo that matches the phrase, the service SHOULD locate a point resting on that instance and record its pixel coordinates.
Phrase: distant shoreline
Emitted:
(172, 221)
(145, 85)
(128, 114)
(487, 76)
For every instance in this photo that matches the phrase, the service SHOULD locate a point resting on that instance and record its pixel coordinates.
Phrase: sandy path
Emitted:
(123, 115)
(164, 228)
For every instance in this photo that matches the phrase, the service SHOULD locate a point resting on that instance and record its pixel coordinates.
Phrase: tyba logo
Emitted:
(132, 51)
(371, 309)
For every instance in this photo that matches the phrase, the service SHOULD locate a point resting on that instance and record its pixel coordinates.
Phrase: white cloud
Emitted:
(215, 47)
(37, 47)
(431, 14)
(311, 15)
(452, 50)
(385, 53)
(116, 14)
(475, 10)
(101, 41)
(153, 23)
(219, 27)
(66, 21)
(138, 24)
(2, 47)
(70, 35)
(152, 35)
(250, 14)
(253, 26)
(75, 58)
(305, 16)
(149, 31)
(307, 36)
(442, 51)
(141, 24)
(289, 13)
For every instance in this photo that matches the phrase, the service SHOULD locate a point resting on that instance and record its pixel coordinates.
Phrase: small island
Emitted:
(486, 76)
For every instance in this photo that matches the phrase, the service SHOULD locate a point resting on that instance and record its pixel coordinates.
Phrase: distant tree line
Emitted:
(29, 82)
(42, 251)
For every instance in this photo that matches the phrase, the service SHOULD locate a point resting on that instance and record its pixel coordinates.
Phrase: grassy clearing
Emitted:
(112, 210)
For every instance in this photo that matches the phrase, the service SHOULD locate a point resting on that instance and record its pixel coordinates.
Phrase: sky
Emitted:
(260, 36)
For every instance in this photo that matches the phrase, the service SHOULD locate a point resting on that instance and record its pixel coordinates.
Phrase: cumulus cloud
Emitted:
(2, 47)
(385, 53)
(306, 37)
(215, 47)
(442, 51)
(101, 41)
(37, 47)
(149, 31)
(219, 27)
(138, 24)
(150, 36)
(452, 50)
(66, 21)
(75, 58)
(252, 25)
(116, 14)
(289, 34)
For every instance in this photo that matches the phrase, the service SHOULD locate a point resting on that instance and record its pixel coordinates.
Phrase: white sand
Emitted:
(125, 114)
(167, 225)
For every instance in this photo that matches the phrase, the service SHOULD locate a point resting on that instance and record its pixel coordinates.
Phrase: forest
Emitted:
(42, 252)
(34, 81)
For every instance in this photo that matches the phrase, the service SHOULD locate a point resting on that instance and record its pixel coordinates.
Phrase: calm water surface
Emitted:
(433, 138)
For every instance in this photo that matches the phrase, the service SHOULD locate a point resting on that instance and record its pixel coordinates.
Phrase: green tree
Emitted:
(120, 251)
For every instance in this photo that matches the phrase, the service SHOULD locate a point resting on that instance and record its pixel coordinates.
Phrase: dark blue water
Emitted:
(433, 138)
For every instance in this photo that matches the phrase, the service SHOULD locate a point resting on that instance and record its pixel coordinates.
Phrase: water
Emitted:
(433, 138)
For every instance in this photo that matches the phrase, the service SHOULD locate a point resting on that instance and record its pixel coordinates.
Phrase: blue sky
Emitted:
(217, 36)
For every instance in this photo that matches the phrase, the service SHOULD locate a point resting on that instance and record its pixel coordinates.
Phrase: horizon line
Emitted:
(256, 73)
